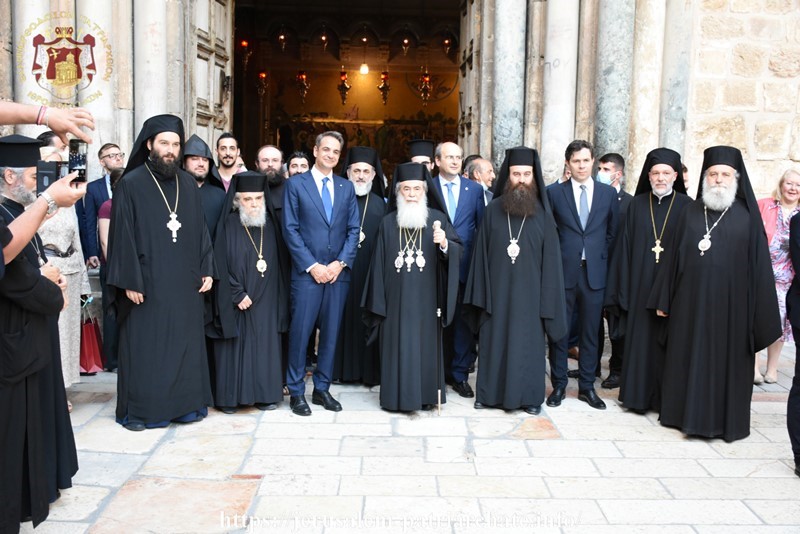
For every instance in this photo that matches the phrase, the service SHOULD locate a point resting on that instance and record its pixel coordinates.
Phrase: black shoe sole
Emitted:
(329, 408)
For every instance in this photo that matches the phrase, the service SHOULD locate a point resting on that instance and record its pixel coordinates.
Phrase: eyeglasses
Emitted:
(115, 155)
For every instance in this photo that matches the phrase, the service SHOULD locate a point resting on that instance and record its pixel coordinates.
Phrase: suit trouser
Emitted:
(793, 406)
(458, 342)
(313, 304)
(589, 303)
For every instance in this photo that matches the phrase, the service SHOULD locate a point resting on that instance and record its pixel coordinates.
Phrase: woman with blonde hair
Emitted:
(776, 211)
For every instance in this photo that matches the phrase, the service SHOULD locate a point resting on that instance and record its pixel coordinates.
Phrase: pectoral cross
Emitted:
(657, 249)
(174, 225)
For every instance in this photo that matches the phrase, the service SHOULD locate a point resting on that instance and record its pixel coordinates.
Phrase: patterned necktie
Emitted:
(327, 203)
(451, 202)
(584, 213)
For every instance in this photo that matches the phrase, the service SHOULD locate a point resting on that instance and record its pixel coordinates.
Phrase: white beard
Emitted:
(362, 189)
(412, 214)
(721, 197)
(257, 219)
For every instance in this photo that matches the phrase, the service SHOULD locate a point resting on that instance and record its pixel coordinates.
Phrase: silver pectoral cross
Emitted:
(174, 225)
(658, 249)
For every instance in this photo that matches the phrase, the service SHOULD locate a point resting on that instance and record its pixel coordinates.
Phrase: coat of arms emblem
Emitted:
(63, 66)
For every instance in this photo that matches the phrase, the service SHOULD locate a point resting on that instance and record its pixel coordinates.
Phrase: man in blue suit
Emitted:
(320, 217)
(586, 214)
(464, 203)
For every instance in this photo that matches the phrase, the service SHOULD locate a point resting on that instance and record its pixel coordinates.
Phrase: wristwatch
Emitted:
(343, 264)
(51, 204)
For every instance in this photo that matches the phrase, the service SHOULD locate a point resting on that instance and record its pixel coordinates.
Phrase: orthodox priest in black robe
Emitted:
(160, 263)
(354, 360)
(717, 288)
(212, 192)
(648, 231)
(515, 289)
(410, 277)
(248, 366)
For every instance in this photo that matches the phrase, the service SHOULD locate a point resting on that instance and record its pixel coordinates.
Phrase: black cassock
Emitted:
(354, 360)
(512, 306)
(248, 366)
(722, 309)
(28, 304)
(402, 306)
(163, 369)
(630, 281)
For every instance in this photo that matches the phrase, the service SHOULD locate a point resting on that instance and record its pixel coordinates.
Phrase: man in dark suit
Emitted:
(320, 217)
(464, 202)
(611, 171)
(586, 214)
(97, 192)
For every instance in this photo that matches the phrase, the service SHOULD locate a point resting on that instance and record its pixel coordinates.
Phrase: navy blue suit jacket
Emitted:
(309, 237)
(96, 194)
(597, 238)
(469, 214)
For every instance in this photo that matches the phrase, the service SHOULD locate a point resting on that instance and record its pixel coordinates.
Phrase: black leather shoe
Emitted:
(479, 405)
(590, 397)
(326, 400)
(533, 410)
(227, 409)
(574, 373)
(299, 405)
(266, 406)
(134, 426)
(612, 382)
(555, 398)
(463, 389)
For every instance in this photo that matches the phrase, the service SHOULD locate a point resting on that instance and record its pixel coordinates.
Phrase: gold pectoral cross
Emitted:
(657, 249)
(174, 225)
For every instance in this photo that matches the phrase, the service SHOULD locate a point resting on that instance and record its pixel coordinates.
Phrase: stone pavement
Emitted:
(572, 469)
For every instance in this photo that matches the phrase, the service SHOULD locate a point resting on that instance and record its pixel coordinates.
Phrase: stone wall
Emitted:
(745, 85)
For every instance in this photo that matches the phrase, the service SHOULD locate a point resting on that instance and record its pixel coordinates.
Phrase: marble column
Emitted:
(150, 67)
(587, 65)
(176, 60)
(508, 89)
(532, 130)
(560, 79)
(484, 62)
(648, 53)
(674, 79)
(122, 46)
(613, 82)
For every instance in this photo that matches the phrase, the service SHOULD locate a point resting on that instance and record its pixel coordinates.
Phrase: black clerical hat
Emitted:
(410, 171)
(728, 155)
(420, 147)
(365, 154)
(661, 156)
(19, 151)
(522, 155)
(249, 182)
(416, 171)
(152, 127)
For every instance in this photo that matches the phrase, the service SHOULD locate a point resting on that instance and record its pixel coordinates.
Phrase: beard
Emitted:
(166, 169)
(362, 189)
(197, 176)
(274, 177)
(22, 194)
(519, 199)
(720, 197)
(255, 217)
(412, 214)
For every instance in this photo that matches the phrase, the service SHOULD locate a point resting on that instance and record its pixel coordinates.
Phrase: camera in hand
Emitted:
(48, 172)
(78, 151)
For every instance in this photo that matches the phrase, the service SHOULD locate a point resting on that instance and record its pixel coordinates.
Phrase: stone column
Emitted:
(122, 47)
(648, 53)
(613, 82)
(674, 79)
(560, 78)
(587, 57)
(150, 67)
(484, 61)
(176, 61)
(532, 134)
(6, 60)
(508, 88)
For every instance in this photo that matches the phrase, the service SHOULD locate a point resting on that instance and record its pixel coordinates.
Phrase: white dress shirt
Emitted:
(318, 177)
(456, 190)
(576, 190)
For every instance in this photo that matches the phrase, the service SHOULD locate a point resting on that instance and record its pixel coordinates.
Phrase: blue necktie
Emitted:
(451, 202)
(584, 213)
(327, 203)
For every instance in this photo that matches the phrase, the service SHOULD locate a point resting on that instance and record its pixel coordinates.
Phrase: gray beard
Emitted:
(719, 198)
(19, 193)
(259, 219)
(362, 189)
(412, 215)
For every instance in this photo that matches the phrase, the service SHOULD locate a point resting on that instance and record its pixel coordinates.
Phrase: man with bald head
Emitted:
(464, 202)
(480, 170)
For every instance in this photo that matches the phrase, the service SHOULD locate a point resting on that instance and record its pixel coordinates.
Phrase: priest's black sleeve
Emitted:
(552, 300)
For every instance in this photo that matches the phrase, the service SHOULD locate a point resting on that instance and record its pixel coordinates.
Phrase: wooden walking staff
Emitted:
(439, 372)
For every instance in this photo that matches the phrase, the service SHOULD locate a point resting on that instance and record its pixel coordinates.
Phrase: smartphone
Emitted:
(78, 151)
(48, 172)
